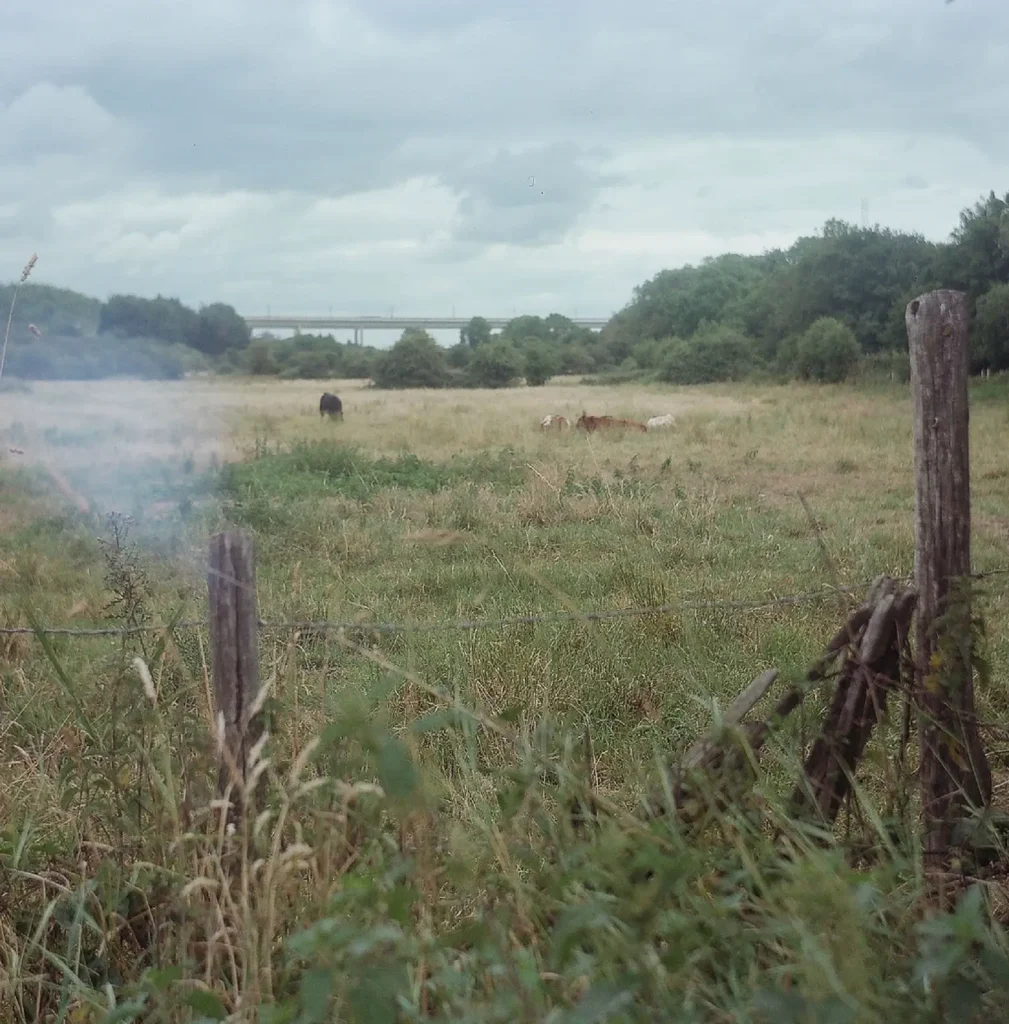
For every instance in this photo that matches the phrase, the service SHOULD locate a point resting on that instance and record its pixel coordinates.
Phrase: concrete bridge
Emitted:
(360, 324)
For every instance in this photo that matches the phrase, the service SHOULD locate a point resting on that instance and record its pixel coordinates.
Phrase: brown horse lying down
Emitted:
(595, 422)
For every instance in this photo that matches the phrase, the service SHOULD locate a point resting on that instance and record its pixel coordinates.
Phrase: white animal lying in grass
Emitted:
(553, 420)
(661, 421)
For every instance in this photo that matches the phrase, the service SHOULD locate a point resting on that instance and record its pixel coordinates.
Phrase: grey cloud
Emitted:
(316, 99)
(255, 97)
(530, 196)
(47, 118)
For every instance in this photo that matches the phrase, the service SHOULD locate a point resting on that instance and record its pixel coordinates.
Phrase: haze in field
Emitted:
(474, 157)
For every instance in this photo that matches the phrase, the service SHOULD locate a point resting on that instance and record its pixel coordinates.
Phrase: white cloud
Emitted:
(46, 118)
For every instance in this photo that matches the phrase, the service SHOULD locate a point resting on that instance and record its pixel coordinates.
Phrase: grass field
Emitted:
(459, 890)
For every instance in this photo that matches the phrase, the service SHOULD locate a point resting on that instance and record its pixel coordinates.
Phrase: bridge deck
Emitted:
(390, 322)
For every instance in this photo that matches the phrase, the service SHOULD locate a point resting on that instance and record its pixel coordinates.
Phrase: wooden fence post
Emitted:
(953, 765)
(231, 582)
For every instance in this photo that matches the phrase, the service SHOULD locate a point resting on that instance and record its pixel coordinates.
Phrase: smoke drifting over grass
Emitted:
(135, 447)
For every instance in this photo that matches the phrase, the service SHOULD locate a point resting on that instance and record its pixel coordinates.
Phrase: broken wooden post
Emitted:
(231, 582)
(953, 765)
(875, 637)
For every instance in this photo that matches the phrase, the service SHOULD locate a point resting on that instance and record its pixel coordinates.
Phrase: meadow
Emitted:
(416, 859)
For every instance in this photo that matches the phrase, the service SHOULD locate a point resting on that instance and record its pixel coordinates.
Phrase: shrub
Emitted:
(415, 361)
(496, 364)
(715, 352)
(459, 356)
(310, 365)
(575, 359)
(259, 359)
(827, 351)
(991, 349)
(541, 362)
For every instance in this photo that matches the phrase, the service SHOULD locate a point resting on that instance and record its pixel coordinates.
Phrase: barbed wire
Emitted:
(447, 625)
(327, 625)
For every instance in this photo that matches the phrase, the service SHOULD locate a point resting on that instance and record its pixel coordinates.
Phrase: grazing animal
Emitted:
(661, 421)
(590, 423)
(332, 405)
(553, 420)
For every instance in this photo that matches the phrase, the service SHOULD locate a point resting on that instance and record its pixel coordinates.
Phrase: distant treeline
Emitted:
(829, 306)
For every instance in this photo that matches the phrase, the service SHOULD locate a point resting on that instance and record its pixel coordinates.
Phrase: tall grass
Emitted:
(423, 850)
(25, 273)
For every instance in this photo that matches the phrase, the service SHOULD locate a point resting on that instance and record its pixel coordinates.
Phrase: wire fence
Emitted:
(604, 615)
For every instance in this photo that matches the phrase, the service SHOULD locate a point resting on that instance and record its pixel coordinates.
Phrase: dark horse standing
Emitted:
(332, 405)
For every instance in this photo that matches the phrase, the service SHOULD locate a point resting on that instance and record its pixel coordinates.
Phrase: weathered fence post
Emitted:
(953, 766)
(231, 582)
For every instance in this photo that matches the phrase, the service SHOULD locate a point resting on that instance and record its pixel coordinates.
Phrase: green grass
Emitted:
(462, 890)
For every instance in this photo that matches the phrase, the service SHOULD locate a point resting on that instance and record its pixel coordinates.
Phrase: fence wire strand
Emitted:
(603, 615)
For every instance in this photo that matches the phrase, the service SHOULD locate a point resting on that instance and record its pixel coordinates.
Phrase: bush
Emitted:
(991, 350)
(459, 356)
(219, 328)
(827, 352)
(496, 364)
(541, 362)
(259, 360)
(311, 364)
(415, 361)
(303, 357)
(575, 359)
(715, 352)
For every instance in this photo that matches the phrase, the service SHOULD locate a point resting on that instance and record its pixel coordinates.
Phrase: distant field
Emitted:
(425, 507)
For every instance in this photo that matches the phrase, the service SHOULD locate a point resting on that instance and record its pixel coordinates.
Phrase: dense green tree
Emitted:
(476, 332)
(128, 316)
(827, 351)
(541, 362)
(857, 275)
(715, 352)
(675, 302)
(978, 256)
(415, 361)
(53, 311)
(496, 365)
(219, 328)
(518, 329)
(990, 339)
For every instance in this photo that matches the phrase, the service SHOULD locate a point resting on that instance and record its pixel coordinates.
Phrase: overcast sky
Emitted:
(437, 155)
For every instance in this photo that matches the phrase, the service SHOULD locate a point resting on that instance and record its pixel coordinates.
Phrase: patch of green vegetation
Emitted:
(422, 861)
(316, 468)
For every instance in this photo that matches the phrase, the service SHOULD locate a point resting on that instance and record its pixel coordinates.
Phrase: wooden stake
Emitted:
(231, 582)
(953, 767)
